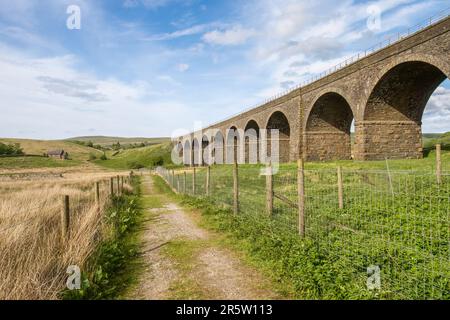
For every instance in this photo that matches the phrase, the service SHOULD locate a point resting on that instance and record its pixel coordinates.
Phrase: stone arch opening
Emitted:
(392, 123)
(328, 129)
(187, 154)
(218, 152)
(233, 138)
(251, 137)
(278, 121)
(206, 152)
(196, 153)
(180, 150)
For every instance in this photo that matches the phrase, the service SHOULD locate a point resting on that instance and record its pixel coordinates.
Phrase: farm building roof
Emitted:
(55, 152)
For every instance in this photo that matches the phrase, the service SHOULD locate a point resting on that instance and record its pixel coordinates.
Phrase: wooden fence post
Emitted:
(111, 183)
(173, 179)
(193, 182)
(178, 183)
(97, 194)
(65, 217)
(340, 188)
(235, 188)
(118, 186)
(121, 183)
(269, 189)
(184, 183)
(438, 164)
(301, 197)
(208, 180)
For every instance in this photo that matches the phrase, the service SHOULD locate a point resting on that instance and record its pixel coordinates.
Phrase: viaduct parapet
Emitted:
(384, 93)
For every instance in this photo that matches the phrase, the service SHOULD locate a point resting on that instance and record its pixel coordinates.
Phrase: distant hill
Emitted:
(146, 157)
(431, 139)
(108, 141)
(39, 147)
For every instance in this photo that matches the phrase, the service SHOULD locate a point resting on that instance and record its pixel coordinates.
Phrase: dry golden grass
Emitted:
(34, 259)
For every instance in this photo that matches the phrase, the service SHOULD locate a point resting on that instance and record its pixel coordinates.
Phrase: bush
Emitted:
(135, 165)
(10, 149)
(103, 157)
(159, 161)
(92, 157)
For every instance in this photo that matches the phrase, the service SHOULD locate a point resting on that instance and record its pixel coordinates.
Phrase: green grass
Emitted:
(183, 254)
(35, 162)
(405, 233)
(114, 267)
(430, 140)
(146, 157)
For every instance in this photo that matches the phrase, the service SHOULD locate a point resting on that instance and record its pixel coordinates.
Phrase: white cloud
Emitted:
(197, 29)
(439, 105)
(149, 4)
(316, 35)
(236, 35)
(55, 100)
(183, 67)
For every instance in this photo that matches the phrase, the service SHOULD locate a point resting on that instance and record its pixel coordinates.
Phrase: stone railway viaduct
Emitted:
(384, 93)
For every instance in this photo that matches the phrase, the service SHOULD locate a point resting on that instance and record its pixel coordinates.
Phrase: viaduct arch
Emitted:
(383, 93)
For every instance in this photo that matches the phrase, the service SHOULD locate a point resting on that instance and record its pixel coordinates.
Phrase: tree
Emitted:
(10, 149)
(116, 146)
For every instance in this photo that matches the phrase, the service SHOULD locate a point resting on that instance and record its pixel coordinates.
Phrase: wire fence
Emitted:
(396, 222)
(86, 197)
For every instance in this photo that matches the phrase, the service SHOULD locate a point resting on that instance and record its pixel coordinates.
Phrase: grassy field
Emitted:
(395, 219)
(431, 139)
(34, 149)
(39, 147)
(146, 157)
(34, 256)
(18, 163)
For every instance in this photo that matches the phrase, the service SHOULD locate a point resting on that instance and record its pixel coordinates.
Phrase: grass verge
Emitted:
(219, 221)
(297, 267)
(113, 267)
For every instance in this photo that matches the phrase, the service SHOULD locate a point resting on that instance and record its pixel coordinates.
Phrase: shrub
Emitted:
(135, 165)
(92, 157)
(103, 157)
(10, 149)
(159, 161)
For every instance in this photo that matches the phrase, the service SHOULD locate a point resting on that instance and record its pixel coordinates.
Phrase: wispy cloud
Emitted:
(73, 88)
(235, 35)
(149, 4)
(183, 67)
(67, 100)
(197, 29)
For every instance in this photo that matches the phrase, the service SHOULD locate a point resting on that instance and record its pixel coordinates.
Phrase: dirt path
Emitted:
(183, 261)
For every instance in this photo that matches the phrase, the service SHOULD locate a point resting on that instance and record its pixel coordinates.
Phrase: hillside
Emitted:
(108, 141)
(145, 157)
(39, 147)
(430, 140)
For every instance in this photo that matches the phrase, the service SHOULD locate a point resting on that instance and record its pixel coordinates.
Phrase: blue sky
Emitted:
(155, 67)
